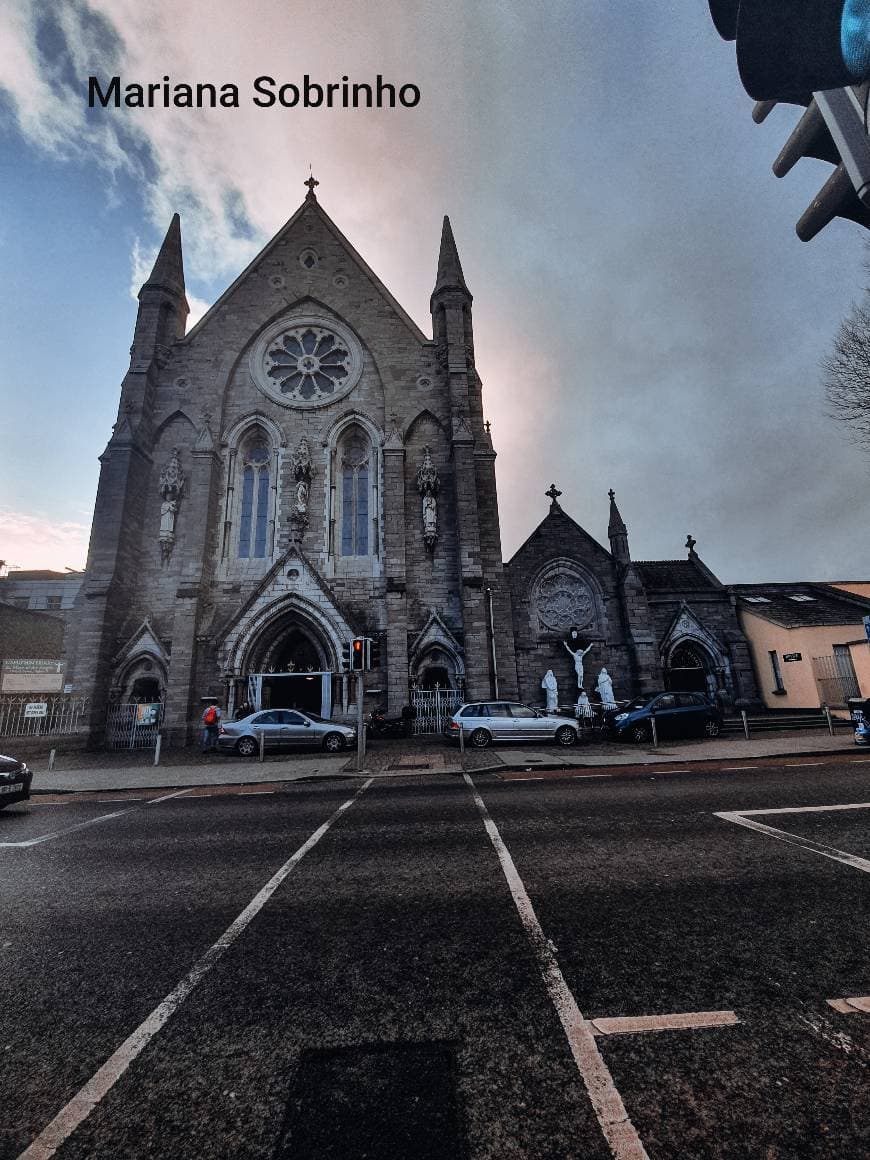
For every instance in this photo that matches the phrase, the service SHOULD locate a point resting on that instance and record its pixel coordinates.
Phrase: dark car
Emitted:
(676, 715)
(283, 729)
(15, 779)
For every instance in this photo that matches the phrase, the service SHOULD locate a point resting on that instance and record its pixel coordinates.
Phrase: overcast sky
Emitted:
(645, 316)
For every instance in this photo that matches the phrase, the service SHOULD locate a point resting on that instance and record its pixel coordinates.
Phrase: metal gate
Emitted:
(433, 707)
(133, 726)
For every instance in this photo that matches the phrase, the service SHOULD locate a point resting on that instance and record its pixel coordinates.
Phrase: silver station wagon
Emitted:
(483, 722)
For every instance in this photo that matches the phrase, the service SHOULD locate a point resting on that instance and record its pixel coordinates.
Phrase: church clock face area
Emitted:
(306, 361)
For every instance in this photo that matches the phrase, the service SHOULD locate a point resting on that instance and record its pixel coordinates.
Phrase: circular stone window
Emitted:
(306, 362)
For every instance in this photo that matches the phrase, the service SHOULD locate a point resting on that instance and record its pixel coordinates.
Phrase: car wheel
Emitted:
(479, 739)
(712, 728)
(247, 746)
(333, 742)
(566, 736)
(639, 733)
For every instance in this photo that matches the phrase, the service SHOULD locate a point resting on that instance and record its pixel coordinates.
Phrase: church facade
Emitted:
(305, 466)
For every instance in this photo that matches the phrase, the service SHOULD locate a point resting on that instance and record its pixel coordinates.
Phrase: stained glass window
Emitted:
(254, 510)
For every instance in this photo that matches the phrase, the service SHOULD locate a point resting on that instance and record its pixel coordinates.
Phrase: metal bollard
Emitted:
(461, 737)
(51, 758)
(830, 722)
(655, 732)
(157, 745)
(262, 733)
(745, 723)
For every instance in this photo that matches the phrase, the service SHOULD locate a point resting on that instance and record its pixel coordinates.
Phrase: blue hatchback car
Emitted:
(676, 715)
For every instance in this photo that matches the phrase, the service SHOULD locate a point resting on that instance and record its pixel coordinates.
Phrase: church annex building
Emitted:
(305, 466)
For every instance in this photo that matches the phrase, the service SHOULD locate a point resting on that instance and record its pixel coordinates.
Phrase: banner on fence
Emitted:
(31, 675)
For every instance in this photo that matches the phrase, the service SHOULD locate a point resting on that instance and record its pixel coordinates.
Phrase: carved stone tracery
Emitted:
(562, 600)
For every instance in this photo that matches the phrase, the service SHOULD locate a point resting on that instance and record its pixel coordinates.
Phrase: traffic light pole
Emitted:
(360, 726)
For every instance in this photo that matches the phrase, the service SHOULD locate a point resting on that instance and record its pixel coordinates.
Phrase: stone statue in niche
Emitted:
(428, 484)
(171, 490)
(605, 689)
(303, 472)
(551, 688)
(578, 654)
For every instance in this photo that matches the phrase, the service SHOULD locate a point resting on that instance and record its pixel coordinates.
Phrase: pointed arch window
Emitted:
(355, 472)
(255, 498)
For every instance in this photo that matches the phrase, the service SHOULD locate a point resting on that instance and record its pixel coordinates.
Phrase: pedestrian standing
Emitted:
(211, 727)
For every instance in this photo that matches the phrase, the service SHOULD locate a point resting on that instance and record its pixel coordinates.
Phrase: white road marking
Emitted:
(84, 1101)
(676, 771)
(805, 764)
(620, 1133)
(253, 792)
(577, 776)
(730, 767)
(105, 801)
(681, 1021)
(92, 821)
(806, 809)
(741, 818)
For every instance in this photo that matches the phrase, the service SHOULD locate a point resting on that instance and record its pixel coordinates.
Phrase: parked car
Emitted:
(676, 715)
(283, 729)
(15, 779)
(486, 721)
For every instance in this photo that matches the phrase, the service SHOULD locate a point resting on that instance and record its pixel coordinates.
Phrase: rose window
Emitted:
(306, 362)
(564, 600)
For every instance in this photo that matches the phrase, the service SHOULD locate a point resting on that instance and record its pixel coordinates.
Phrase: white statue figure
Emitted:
(167, 516)
(605, 689)
(583, 707)
(578, 655)
(303, 470)
(552, 689)
(171, 490)
(428, 484)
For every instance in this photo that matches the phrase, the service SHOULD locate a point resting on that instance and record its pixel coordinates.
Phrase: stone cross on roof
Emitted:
(311, 183)
(690, 543)
(554, 493)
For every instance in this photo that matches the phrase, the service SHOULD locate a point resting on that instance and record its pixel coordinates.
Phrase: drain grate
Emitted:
(374, 1102)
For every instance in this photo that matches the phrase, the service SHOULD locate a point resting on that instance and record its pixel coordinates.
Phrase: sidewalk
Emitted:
(79, 772)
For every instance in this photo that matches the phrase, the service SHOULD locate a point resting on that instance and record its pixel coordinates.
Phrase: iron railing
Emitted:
(43, 715)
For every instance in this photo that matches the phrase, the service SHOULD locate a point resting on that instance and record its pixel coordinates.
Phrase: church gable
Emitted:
(309, 257)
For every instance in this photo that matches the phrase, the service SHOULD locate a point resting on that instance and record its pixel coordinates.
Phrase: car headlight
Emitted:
(621, 717)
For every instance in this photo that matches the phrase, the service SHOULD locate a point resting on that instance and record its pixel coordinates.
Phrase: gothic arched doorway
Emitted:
(688, 669)
(289, 665)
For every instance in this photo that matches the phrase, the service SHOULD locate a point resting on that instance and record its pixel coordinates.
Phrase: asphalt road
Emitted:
(428, 976)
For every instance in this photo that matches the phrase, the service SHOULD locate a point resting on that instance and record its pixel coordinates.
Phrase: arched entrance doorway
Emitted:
(289, 665)
(690, 670)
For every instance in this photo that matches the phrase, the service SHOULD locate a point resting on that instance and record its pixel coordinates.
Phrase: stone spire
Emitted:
(450, 276)
(617, 532)
(168, 272)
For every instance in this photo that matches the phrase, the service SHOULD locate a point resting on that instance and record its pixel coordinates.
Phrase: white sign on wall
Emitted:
(36, 709)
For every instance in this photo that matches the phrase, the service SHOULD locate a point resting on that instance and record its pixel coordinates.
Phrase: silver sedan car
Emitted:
(486, 721)
(283, 729)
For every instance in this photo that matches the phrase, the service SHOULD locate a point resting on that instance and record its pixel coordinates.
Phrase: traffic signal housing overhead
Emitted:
(358, 652)
(787, 49)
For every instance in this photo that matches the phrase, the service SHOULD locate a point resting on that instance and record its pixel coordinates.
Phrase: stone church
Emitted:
(305, 466)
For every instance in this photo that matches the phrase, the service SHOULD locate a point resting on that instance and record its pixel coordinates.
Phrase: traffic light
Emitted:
(358, 654)
(374, 658)
(789, 48)
(832, 129)
(345, 657)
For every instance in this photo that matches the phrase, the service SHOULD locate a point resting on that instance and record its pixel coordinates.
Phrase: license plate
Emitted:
(11, 788)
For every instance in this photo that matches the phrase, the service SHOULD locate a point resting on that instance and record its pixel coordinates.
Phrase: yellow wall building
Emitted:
(807, 641)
